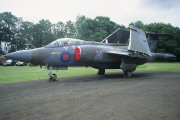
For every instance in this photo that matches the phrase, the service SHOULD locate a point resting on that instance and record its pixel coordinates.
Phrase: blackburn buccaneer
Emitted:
(112, 53)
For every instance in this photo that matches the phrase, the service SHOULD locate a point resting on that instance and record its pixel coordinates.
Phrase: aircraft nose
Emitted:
(24, 55)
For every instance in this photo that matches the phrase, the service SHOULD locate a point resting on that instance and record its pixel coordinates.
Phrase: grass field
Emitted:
(26, 73)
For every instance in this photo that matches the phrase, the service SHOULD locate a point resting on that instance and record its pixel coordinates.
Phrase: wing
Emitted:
(138, 46)
(118, 36)
(117, 51)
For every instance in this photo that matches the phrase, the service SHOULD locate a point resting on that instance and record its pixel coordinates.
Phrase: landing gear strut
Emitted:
(53, 77)
(101, 72)
(127, 74)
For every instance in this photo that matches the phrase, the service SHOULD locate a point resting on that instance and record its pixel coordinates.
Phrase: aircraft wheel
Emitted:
(50, 79)
(127, 74)
(101, 72)
(54, 77)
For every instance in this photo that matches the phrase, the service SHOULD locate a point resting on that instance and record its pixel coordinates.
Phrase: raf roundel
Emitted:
(65, 57)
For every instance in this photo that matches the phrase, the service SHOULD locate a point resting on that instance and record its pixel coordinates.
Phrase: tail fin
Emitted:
(152, 39)
(138, 42)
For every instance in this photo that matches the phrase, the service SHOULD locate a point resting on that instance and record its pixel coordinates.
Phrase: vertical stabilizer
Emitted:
(138, 42)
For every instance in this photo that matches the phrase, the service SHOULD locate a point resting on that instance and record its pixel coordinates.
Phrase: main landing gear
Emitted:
(127, 74)
(53, 77)
(101, 72)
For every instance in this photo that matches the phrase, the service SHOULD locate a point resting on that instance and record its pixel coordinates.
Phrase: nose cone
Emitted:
(24, 55)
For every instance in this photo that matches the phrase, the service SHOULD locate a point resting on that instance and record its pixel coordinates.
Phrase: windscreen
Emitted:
(64, 42)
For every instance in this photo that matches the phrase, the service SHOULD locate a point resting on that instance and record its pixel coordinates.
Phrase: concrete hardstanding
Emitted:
(145, 96)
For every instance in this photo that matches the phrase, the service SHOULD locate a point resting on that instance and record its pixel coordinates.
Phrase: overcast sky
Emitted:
(120, 11)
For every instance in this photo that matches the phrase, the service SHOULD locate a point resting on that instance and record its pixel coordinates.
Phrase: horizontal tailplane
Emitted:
(152, 39)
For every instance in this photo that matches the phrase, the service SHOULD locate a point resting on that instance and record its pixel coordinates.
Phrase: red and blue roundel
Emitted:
(65, 57)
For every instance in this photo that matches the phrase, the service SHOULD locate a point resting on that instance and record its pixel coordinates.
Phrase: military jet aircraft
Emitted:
(112, 53)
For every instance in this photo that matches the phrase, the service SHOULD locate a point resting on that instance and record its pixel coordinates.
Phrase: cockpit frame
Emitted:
(64, 42)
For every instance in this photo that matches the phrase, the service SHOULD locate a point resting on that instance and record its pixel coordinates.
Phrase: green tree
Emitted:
(95, 29)
(25, 35)
(8, 29)
(42, 33)
(137, 24)
(59, 30)
(80, 20)
(70, 29)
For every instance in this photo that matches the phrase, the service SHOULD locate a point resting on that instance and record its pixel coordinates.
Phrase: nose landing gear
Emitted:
(53, 77)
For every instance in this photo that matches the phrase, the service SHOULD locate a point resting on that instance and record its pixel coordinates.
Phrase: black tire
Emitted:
(101, 72)
(127, 74)
(54, 78)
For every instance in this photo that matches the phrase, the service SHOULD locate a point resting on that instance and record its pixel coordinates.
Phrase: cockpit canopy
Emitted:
(64, 42)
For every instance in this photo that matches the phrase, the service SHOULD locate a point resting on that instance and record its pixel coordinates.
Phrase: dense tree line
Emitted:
(18, 34)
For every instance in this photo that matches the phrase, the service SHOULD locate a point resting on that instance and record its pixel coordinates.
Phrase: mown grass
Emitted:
(26, 73)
